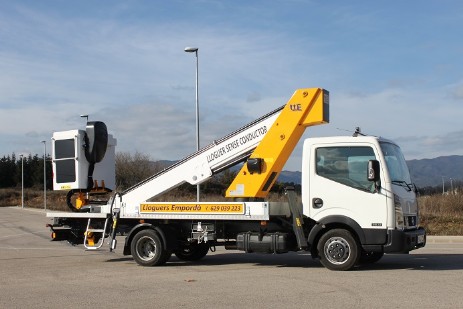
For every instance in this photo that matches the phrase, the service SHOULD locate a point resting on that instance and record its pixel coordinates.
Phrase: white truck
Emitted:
(358, 201)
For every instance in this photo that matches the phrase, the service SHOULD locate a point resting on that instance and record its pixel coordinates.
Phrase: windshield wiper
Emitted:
(403, 184)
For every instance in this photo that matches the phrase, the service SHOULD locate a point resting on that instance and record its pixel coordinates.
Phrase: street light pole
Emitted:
(84, 116)
(195, 50)
(44, 175)
(22, 181)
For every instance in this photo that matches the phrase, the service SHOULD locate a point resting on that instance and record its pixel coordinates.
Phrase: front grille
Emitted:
(410, 221)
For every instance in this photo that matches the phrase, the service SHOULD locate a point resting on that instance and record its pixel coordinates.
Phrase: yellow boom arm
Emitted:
(307, 107)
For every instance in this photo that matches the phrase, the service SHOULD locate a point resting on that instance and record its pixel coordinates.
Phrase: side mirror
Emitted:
(373, 170)
(373, 173)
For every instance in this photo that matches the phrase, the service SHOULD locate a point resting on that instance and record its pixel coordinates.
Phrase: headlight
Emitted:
(399, 215)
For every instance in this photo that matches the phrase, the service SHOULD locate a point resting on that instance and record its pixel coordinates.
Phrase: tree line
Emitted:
(12, 167)
(130, 169)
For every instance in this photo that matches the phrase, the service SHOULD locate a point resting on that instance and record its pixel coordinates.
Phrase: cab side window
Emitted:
(345, 165)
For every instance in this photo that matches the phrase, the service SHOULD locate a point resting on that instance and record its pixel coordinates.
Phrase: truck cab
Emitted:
(360, 184)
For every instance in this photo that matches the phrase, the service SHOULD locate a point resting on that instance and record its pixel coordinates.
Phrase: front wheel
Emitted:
(147, 249)
(338, 250)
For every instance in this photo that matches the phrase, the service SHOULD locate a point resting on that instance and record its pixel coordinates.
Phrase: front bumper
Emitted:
(405, 241)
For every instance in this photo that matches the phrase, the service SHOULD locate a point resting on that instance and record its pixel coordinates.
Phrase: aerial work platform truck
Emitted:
(358, 201)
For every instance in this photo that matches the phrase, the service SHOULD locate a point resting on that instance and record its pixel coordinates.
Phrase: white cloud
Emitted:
(458, 92)
(134, 75)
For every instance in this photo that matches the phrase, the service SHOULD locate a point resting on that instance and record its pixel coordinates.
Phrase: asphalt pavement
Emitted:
(38, 273)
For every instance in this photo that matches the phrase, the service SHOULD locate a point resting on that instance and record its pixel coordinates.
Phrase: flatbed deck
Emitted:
(77, 215)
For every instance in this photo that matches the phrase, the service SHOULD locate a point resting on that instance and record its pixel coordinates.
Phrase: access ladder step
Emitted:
(96, 230)
(89, 242)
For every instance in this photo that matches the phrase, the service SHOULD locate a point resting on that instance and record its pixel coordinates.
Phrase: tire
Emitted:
(370, 257)
(192, 252)
(148, 250)
(338, 250)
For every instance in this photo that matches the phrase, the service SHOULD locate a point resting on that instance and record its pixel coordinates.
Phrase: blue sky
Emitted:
(393, 68)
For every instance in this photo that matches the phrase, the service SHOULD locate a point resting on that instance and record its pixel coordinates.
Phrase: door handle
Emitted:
(317, 203)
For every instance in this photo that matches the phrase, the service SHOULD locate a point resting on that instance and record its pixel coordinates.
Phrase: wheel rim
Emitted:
(146, 248)
(337, 250)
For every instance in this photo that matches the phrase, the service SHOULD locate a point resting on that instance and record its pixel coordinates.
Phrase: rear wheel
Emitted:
(338, 250)
(192, 252)
(148, 250)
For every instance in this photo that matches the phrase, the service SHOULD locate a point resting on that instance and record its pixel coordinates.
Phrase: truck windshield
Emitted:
(395, 161)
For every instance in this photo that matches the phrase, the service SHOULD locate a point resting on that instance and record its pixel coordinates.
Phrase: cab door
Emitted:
(339, 187)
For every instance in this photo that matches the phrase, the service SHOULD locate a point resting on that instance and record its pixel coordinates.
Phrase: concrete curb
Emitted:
(444, 239)
(29, 209)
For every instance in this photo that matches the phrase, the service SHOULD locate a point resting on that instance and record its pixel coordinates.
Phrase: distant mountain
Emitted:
(424, 172)
(287, 176)
(162, 164)
(431, 172)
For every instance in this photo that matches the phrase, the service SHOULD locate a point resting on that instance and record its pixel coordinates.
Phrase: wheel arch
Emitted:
(168, 239)
(334, 222)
